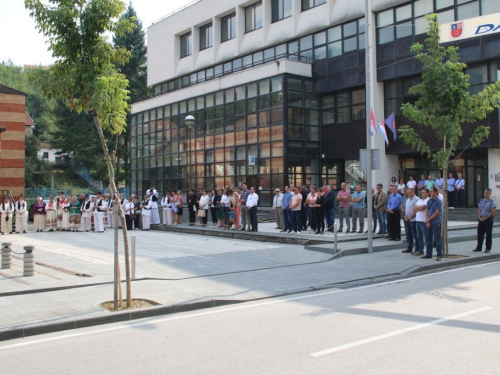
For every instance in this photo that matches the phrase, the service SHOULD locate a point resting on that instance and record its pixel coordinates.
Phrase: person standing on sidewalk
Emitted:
(394, 215)
(460, 191)
(451, 190)
(252, 202)
(429, 183)
(278, 208)
(411, 224)
(439, 181)
(295, 207)
(319, 211)
(485, 214)
(421, 184)
(379, 204)
(310, 205)
(374, 214)
(411, 184)
(245, 214)
(329, 198)
(21, 215)
(343, 197)
(287, 213)
(304, 209)
(146, 212)
(358, 209)
(420, 219)
(433, 220)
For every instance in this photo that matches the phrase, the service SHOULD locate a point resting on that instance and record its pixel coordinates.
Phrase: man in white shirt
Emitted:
(451, 190)
(411, 183)
(421, 227)
(460, 192)
(278, 208)
(409, 218)
(21, 215)
(86, 209)
(99, 210)
(6, 210)
(252, 201)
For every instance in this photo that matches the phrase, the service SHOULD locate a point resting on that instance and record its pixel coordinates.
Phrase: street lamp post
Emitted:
(189, 121)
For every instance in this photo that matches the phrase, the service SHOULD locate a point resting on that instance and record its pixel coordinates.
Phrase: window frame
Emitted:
(206, 40)
(228, 24)
(254, 11)
(282, 16)
(186, 50)
(315, 3)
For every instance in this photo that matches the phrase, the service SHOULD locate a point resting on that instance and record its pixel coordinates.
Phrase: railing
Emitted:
(176, 11)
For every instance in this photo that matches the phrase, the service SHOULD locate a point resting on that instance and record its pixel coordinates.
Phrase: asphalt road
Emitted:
(444, 323)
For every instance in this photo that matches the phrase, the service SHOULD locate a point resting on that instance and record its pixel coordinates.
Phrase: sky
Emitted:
(21, 42)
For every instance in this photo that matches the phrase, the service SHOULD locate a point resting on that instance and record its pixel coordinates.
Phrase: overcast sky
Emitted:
(20, 41)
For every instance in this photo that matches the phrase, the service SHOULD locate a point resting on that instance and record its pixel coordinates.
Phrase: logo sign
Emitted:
(470, 28)
(456, 29)
(251, 160)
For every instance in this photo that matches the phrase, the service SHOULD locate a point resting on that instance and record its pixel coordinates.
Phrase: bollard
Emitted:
(133, 257)
(6, 255)
(335, 238)
(29, 261)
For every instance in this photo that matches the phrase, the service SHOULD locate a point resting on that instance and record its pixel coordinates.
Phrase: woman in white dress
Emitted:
(155, 216)
(51, 215)
(168, 218)
(65, 214)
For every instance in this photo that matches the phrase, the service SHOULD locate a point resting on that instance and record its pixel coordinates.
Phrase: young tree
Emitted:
(444, 105)
(84, 75)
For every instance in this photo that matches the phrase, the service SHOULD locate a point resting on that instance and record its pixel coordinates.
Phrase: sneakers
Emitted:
(299, 232)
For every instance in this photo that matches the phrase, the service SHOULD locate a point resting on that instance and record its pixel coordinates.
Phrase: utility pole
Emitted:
(369, 201)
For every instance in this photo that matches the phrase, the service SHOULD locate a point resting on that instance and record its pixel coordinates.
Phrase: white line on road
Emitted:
(233, 308)
(395, 333)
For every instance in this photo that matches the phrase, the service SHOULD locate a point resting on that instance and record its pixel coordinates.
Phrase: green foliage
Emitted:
(33, 163)
(444, 103)
(84, 73)
(135, 68)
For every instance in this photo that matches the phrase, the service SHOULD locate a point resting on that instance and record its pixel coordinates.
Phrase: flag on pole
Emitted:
(381, 129)
(391, 124)
(373, 128)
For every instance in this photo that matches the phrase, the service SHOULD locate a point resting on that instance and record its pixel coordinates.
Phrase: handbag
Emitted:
(132, 217)
(201, 213)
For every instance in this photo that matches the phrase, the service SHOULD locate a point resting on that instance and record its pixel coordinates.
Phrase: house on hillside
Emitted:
(49, 154)
(13, 118)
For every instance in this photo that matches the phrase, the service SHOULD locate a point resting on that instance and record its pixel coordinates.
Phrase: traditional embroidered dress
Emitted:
(51, 215)
(21, 217)
(75, 215)
(39, 216)
(7, 210)
(59, 201)
(65, 215)
(86, 209)
(146, 213)
(168, 217)
(99, 210)
(155, 216)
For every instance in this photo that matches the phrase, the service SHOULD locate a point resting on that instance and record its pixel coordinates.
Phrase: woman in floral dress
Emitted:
(75, 214)
(51, 215)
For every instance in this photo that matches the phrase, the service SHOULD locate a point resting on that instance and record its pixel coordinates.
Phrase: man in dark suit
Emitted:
(329, 198)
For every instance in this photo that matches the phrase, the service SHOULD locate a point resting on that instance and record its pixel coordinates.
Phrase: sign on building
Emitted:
(470, 28)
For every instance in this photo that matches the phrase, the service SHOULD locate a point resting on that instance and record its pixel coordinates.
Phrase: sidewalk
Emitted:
(184, 270)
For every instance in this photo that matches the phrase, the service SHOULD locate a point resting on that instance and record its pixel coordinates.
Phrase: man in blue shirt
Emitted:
(287, 213)
(451, 190)
(485, 214)
(439, 182)
(394, 215)
(358, 209)
(433, 220)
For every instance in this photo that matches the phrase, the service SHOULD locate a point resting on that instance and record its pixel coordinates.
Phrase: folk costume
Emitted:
(75, 216)
(99, 210)
(109, 203)
(7, 211)
(86, 209)
(51, 216)
(146, 213)
(65, 214)
(155, 216)
(39, 216)
(21, 217)
(168, 218)
(59, 201)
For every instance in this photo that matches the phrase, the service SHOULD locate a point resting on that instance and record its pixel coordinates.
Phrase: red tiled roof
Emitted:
(28, 121)
(9, 90)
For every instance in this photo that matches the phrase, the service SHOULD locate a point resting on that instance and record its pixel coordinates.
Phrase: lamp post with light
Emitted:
(189, 121)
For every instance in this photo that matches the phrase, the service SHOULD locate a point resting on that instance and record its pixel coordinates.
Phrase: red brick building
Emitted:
(13, 118)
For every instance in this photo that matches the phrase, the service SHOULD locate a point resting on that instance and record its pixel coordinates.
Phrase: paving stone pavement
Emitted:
(174, 268)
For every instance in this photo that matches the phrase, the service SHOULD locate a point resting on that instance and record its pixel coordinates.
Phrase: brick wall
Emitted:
(12, 118)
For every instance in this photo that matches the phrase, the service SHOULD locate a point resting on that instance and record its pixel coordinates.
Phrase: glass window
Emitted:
(206, 36)
(342, 115)
(328, 117)
(385, 18)
(386, 35)
(422, 7)
(328, 101)
(349, 29)
(228, 27)
(306, 43)
(280, 9)
(490, 6)
(334, 34)
(350, 44)
(263, 87)
(404, 29)
(294, 84)
(237, 64)
(440, 4)
(308, 4)
(468, 10)
(446, 17)
(320, 53)
(186, 45)
(335, 49)
(253, 17)
(269, 54)
(295, 99)
(420, 25)
(403, 13)
(320, 38)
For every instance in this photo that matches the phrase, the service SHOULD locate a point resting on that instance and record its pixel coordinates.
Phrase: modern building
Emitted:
(15, 120)
(277, 90)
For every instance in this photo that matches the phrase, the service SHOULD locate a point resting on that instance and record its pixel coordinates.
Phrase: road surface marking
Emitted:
(233, 308)
(395, 333)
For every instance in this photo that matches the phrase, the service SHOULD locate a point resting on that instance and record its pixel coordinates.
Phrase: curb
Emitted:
(172, 309)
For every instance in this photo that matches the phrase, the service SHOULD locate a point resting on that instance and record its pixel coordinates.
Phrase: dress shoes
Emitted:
(408, 251)
(476, 250)
(426, 257)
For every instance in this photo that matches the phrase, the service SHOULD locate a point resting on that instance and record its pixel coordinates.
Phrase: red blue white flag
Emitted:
(373, 128)
(381, 129)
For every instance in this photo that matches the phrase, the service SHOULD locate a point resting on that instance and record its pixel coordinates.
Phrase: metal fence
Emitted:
(48, 192)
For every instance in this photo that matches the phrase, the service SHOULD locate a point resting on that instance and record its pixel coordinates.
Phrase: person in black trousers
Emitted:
(214, 202)
(485, 215)
(319, 211)
(137, 210)
(303, 207)
(191, 204)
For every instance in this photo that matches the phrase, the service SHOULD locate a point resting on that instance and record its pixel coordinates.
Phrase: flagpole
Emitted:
(368, 86)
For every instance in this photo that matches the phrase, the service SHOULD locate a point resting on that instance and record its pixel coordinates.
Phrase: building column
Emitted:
(494, 174)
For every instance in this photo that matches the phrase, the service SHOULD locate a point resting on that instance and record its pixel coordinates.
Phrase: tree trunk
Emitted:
(116, 207)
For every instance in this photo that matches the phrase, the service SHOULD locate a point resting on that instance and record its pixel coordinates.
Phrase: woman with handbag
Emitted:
(204, 206)
(213, 207)
(192, 198)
